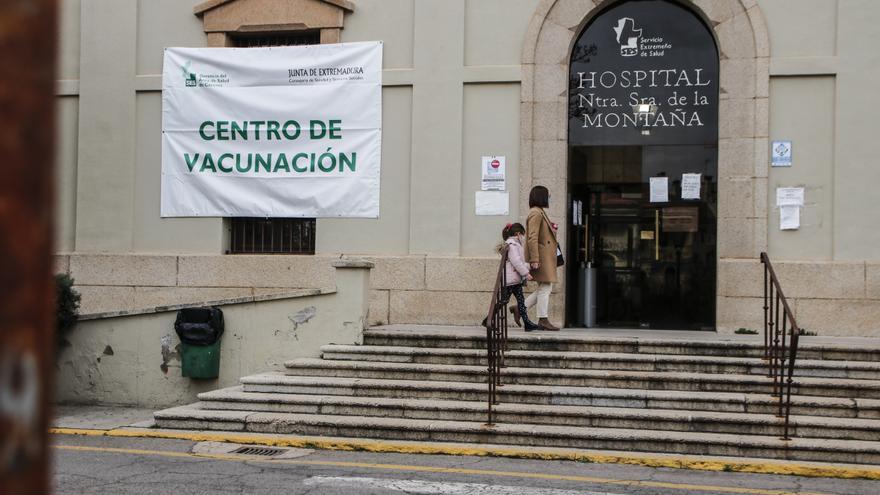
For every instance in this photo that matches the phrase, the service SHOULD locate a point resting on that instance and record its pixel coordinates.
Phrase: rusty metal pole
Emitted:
(27, 316)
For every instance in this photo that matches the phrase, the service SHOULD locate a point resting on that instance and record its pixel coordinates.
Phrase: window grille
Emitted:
(281, 39)
(273, 235)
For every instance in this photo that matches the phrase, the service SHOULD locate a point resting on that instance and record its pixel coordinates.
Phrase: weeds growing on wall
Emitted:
(67, 307)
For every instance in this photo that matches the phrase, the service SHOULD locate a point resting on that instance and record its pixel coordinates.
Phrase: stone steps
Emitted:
(279, 383)
(670, 442)
(821, 387)
(598, 360)
(235, 399)
(686, 394)
(579, 341)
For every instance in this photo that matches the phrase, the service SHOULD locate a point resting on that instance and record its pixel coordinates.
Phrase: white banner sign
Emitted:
(272, 132)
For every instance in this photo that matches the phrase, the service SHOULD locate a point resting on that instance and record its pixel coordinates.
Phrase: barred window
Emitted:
(280, 39)
(273, 235)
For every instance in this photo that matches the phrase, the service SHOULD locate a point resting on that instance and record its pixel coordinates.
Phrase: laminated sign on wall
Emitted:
(272, 132)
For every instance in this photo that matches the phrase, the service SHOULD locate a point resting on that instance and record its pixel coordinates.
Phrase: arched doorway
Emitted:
(643, 169)
(743, 127)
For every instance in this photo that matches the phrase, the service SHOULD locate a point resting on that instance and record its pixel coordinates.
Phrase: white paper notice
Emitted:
(789, 217)
(492, 203)
(493, 173)
(690, 186)
(659, 189)
(789, 196)
(576, 212)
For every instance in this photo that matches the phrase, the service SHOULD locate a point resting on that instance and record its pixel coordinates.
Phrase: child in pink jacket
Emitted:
(517, 271)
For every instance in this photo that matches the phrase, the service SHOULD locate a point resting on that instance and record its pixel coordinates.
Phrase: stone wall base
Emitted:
(829, 298)
(136, 359)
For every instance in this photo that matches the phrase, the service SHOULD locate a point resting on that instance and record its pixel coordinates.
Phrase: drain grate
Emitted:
(263, 451)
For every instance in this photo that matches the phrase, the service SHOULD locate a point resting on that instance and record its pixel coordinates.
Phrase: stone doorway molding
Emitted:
(223, 19)
(743, 128)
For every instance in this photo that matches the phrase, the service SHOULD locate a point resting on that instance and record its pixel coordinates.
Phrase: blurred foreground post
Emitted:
(27, 315)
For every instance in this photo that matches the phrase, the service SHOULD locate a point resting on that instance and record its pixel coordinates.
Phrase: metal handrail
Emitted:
(496, 336)
(780, 355)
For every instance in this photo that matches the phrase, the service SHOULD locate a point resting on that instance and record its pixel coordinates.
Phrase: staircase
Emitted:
(680, 393)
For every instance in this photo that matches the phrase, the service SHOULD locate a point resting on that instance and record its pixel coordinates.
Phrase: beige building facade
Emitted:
(463, 79)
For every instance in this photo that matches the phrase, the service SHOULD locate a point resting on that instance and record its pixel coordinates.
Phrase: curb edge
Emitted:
(777, 467)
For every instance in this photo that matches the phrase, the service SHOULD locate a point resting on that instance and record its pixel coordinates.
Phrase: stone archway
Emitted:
(744, 122)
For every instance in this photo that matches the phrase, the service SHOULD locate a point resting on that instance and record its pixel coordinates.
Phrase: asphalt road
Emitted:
(152, 466)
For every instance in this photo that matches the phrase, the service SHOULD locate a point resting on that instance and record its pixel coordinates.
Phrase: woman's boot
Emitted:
(530, 325)
(516, 317)
(546, 325)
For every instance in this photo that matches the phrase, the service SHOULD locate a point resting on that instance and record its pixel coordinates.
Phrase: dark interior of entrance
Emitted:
(652, 263)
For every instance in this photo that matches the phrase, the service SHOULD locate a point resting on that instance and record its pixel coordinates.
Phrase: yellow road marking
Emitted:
(390, 447)
(447, 470)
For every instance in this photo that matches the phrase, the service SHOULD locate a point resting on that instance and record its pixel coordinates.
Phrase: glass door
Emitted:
(654, 261)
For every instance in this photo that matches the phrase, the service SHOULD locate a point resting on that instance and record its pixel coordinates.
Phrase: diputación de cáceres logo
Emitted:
(192, 79)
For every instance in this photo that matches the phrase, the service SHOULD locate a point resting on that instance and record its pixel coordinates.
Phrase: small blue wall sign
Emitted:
(780, 154)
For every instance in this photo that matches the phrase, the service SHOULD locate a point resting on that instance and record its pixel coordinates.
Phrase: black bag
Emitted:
(199, 326)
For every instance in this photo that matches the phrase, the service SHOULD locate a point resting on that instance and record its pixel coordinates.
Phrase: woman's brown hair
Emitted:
(539, 197)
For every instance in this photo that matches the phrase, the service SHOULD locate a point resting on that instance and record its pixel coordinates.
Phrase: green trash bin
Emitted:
(199, 330)
(200, 361)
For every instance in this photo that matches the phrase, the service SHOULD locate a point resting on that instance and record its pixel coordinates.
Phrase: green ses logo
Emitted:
(189, 77)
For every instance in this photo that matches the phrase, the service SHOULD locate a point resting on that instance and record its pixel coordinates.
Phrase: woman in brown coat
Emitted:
(541, 248)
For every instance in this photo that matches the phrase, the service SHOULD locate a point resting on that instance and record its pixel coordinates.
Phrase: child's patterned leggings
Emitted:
(517, 292)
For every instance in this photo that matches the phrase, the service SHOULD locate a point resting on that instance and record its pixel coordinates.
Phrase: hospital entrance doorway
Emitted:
(643, 105)
(643, 229)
